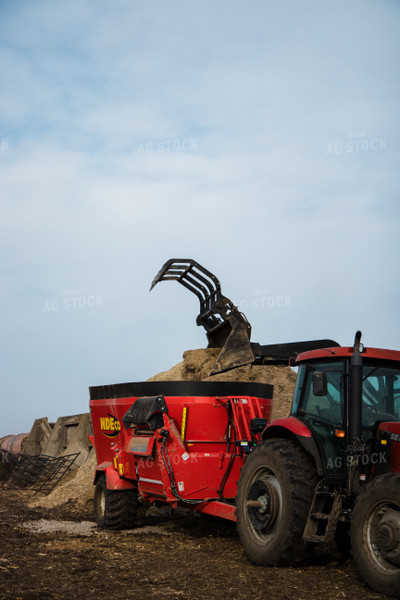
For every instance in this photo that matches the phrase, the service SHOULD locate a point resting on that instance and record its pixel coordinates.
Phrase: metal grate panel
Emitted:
(40, 473)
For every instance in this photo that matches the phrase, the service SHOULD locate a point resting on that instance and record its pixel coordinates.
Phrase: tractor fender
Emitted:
(113, 480)
(291, 428)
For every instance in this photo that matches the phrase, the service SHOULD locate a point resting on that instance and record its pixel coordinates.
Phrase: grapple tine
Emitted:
(180, 269)
(190, 274)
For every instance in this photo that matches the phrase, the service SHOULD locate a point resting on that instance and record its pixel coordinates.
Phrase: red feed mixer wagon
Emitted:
(329, 473)
(180, 442)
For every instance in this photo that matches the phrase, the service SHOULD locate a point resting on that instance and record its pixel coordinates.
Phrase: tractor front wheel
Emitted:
(275, 493)
(375, 534)
(114, 509)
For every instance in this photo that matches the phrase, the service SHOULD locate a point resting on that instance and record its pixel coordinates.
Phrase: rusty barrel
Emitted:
(14, 443)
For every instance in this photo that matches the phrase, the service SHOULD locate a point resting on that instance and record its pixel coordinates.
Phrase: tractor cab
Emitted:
(324, 402)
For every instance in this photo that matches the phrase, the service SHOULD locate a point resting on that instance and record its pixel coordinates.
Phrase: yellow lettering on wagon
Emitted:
(110, 426)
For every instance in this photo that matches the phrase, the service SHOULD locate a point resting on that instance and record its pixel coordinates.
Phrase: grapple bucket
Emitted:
(225, 326)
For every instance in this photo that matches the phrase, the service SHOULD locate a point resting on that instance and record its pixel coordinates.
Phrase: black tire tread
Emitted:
(120, 507)
(376, 490)
(302, 480)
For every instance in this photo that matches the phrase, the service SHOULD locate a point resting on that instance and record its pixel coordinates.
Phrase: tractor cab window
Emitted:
(326, 406)
(321, 406)
(381, 395)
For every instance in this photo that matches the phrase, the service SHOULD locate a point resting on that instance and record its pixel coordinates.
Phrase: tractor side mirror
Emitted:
(320, 383)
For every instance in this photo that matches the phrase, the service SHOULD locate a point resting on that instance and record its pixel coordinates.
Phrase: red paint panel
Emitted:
(394, 429)
(114, 482)
(218, 509)
(292, 424)
(340, 352)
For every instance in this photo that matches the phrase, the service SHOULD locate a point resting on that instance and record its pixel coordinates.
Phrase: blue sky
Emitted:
(260, 138)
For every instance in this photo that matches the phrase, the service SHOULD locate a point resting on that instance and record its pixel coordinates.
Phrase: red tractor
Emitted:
(330, 469)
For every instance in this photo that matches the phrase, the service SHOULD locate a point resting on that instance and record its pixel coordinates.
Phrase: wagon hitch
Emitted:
(226, 327)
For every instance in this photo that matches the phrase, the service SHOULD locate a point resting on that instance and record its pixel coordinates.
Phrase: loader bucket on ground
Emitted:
(226, 327)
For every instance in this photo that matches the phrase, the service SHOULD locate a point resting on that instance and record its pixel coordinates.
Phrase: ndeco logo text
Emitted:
(110, 426)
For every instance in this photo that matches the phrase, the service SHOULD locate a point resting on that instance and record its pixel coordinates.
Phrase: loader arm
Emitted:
(226, 327)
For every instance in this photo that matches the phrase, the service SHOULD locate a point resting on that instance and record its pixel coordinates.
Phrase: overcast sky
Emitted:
(260, 138)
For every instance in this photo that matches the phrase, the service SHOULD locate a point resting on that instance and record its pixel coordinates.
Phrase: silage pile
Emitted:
(195, 366)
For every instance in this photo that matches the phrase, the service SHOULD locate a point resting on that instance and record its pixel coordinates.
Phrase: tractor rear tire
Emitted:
(281, 478)
(114, 509)
(375, 534)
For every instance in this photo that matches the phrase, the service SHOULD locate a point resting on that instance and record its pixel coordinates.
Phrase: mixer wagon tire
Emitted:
(275, 493)
(375, 534)
(114, 509)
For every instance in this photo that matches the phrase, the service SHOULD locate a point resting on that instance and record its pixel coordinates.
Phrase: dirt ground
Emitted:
(59, 553)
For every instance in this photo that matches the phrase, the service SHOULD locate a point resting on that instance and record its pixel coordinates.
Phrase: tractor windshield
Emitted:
(326, 408)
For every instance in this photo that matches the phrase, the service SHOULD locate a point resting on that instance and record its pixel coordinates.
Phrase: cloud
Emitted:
(260, 139)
